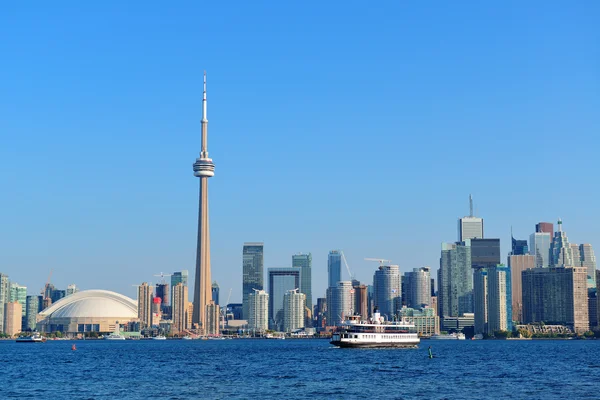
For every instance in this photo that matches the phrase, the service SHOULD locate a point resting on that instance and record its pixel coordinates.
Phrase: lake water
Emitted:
(299, 369)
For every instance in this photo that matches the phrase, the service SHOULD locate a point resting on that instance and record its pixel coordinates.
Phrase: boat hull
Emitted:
(374, 345)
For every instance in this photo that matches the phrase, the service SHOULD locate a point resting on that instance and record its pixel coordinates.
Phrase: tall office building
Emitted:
(560, 249)
(213, 314)
(470, 227)
(179, 306)
(4, 297)
(480, 299)
(556, 296)
(575, 251)
(294, 303)
(18, 293)
(588, 261)
(145, 305)
(258, 311)
(455, 280)
(304, 262)
(253, 272)
(203, 169)
(539, 246)
(361, 301)
(387, 286)
(499, 306)
(518, 264)
(485, 253)
(339, 303)
(162, 292)
(321, 312)
(418, 287)
(334, 268)
(33, 305)
(12, 318)
(215, 292)
(281, 280)
(180, 277)
(544, 227)
(519, 247)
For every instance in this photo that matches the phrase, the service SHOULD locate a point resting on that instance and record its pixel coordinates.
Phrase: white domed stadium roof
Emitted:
(93, 304)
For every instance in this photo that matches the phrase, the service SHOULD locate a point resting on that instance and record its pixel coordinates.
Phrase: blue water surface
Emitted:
(299, 369)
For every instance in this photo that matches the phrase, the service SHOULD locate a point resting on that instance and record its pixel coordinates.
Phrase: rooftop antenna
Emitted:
(470, 206)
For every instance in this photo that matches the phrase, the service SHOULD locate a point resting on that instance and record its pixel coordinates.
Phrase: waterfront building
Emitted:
(180, 307)
(89, 311)
(455, 280)
(417, 286)
(339, 303)
(458, 324)
(539, 246)
(215, 292)
(253, 271)
(480, 300)
(304, 262)
(334, 268)
(12, 318)
(387, 287)
(281, 280)
(499, 304)
(213, 316)
(294, 303)
(588, 261)
(470, 227)
(33, 305)
(560, 249)
(204, 168)
(144, 305)
(188, 315)
(18, 293)
(593, 308)
(361, 298)
(544, 227)
(556, 296)
(258, 309)
(518, 264)
(4, 297)
(426, 321)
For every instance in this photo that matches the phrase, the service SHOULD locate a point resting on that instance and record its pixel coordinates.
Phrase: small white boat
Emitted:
(159, 337)
(116, 335)
(452, 336)
(35, 338)
(187, 338)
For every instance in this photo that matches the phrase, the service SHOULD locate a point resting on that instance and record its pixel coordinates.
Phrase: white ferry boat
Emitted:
(35, 338)
(116, 335)
(375, 333)
(452, 336)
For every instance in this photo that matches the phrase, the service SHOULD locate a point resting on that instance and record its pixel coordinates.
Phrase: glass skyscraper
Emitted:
(455, 280)
(418, 288)
(281, 281)
(253, 272)
(539, 246)
(560, 249)
(304, 262)
(334, 268)
(339, 302)
(387, 287)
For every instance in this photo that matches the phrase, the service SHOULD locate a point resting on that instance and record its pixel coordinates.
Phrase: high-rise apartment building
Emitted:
(339, 303)
(588, 261)
(499, 305)
(361, 301)
(162, 292)
(470, 227)
(253, 272)
(556, 296)
(480, 299)
(258, 311)
(33, 305)
(545, 227)
(12, 318)
(561, 250)
(387, 287)
(179, 306)
(145, 305)
(455, 280)
(539, 246)
(213, 314)
(281, 280)
(204, 168)
(518, 264)
(215, 292)
(294, 303)
(4, 297)
(304, 262)
(18, 293)
(334, 268)
(418, 288)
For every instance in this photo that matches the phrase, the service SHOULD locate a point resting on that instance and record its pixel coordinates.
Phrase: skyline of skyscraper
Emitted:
(258, 309)
(334, 268)
(499, 301)
(294, 303)
(480, 299)
(204, 168)
(418, 287)
(252, 271)
(145, 305)
(387, 283)
(545, 227)
(339, 301)
(588, 261)
(304, 262)
(4, 297)
(560, 249)
(539, 246)
(470, 227)
(281, 280)
(518, 264)
(179, 306)
(455, 280)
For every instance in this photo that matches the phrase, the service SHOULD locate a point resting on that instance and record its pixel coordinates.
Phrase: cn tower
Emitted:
(203, 169)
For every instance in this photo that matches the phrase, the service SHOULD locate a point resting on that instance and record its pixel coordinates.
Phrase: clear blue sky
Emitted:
(332, 125)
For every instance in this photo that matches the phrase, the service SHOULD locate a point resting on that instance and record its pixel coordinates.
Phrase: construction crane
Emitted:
(381, 261)
(225, 308)
(346, 264)
(162, 277)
